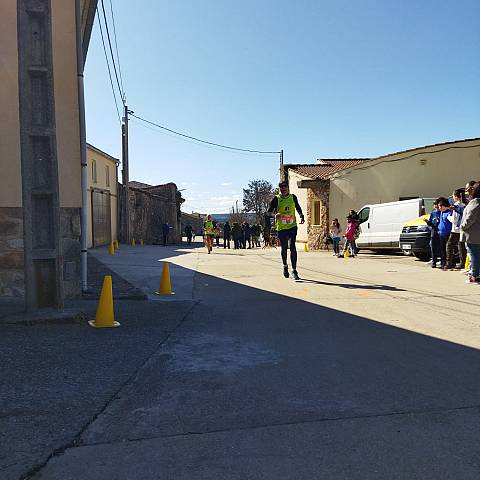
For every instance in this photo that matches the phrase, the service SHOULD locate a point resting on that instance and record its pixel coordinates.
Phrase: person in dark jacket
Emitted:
(188, 234)
(165, 231)
(227, 229)
(247, 235)
(444, 229)
(433, 222)
(237, 235)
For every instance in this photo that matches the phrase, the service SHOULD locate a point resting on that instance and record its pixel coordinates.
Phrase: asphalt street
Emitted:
(367, 368)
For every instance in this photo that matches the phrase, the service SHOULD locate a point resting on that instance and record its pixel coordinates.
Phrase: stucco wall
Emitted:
(102, 161)
(10, 166)
(404, 175)
(301, 193)
(66, 104)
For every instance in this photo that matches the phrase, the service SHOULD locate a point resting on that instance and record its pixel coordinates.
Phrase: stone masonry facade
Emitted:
(12, 277)
(317, 234)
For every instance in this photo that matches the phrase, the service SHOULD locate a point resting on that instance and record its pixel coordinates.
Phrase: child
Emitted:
(350, 238)
(444, 229)
(335, 234)
(433, 222)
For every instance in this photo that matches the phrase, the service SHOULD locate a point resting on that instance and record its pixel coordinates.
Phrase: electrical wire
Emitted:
(203, 141)
(108, 66)
(116, 48)
(111, 53)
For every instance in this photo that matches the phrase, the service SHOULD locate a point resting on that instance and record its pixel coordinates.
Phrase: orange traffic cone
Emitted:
(104, 317)
(165, 284)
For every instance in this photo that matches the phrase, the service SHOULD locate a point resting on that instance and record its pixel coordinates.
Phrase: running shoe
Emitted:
(285, 271)
(295, 275)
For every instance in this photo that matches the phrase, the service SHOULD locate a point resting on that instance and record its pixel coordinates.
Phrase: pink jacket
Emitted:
(350, 231)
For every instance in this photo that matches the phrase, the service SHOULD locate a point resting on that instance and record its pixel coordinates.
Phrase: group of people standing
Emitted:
(242, 234)
(455, 231)
(350, 235)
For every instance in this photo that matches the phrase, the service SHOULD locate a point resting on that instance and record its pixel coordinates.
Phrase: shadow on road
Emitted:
(240, 383)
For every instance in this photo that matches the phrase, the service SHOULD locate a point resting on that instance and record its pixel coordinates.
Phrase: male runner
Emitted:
(209, 232)
(285, 205)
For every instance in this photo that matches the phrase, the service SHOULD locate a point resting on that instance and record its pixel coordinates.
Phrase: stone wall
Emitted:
(148, 212)
(317, 234)
(12, 279)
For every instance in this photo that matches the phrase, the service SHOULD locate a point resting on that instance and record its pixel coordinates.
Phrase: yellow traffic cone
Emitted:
(467, 263)
(141, 242)
(165, 285)
(305, 247)
(111, 249)
(347, 252)
(133, 242)
(116, 245)
(104, 317)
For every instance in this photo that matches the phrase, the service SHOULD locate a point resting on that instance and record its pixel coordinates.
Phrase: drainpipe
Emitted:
(83, 146)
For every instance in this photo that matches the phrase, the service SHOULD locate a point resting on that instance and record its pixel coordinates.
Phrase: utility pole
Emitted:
(281, 166)
(125, 177)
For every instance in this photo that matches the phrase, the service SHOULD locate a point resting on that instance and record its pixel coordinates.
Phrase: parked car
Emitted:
(381, 224)
(415, 238)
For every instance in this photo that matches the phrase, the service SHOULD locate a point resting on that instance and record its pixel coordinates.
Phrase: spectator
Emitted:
(335, 235)
(188, 234)
(444, 229)
(349, 238)
(165, 231)
(454, 245)
(468, 190)
(470, 233)
(237, 235)
(433, 222)
(247, 238)
(227, 230)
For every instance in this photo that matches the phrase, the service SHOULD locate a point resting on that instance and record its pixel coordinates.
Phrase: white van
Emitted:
(381, 224)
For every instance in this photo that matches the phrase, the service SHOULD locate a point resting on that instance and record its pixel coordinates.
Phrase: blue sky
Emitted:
(317, 79)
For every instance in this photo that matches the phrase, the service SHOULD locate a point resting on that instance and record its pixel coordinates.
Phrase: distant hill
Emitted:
(223, 217)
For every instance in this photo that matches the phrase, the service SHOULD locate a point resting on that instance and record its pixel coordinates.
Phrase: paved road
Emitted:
(365, 369)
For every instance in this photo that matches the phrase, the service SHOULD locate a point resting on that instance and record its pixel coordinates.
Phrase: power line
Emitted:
(116, 47)
(108, 66)
(203, 141)
(111, 53)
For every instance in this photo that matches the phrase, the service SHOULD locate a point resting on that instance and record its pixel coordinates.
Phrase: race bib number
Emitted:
(287, 219)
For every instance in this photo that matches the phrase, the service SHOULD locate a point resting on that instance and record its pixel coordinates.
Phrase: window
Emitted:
(107, 176)
(316, 212)
(363, 214)
(94, 171)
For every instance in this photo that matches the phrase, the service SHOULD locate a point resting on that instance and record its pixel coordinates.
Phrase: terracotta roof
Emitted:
(325, 167)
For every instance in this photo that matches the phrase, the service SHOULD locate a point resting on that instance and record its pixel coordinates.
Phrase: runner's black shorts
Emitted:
(288, 234)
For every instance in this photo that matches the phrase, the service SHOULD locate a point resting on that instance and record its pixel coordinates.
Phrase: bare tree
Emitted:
(257, 197)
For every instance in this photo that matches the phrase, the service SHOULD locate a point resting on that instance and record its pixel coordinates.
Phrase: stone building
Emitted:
(311, 184)
(40, 195)
(102, 197)
(331, 187)
(150, 207)
(195, 220)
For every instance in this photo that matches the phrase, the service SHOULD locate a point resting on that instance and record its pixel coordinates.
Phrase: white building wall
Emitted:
(301, 194)
(427, 172)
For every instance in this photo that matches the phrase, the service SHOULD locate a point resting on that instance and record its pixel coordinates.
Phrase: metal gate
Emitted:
(101, 218)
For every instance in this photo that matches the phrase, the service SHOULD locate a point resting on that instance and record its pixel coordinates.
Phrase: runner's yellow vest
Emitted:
(208, 228)
(286, 211)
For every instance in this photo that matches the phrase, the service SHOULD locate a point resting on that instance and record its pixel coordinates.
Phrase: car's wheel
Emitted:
(423, 256)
